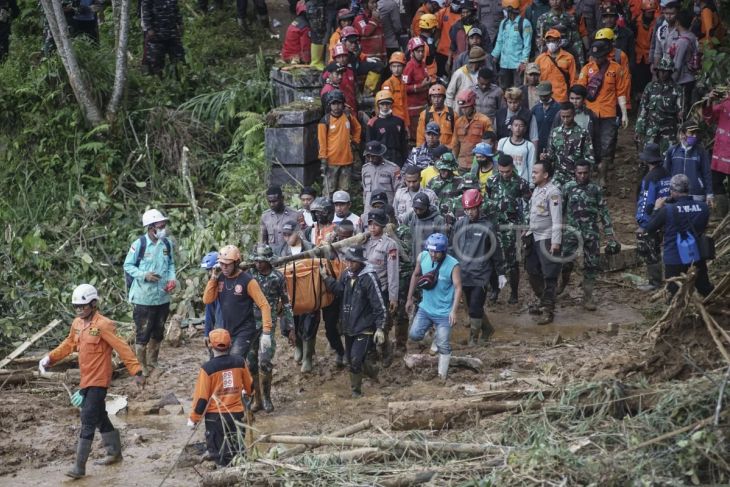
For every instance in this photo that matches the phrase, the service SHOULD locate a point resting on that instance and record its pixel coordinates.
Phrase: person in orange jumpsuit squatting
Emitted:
(94, 336)
(237, 292)
(221, 382)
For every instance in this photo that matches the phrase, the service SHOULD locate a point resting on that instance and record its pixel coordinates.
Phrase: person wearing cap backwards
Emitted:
(397, 86)
(297, 42)
(236, 293)
(388, 129)
(512, 45)
(660, 108)
(465, 77)
(381, 252)
(417, 80)
(345, 18)
(556, 66)
(489, 96)
(210, 260)
(439, 113)
(584, 205)
(440, 298)
(558, 16)
(337, 131)
(544, 113)
(606, 85)
(459, 32)
(150, 271)
(567, 144)
(342, 202)
(542, 241)
(475, 245)
(677, 216)
(217, 399)
(447, 186)
(474, 39)
(507, 198)
(653, 186)
(378, 173)
(94, 337)
(362, 315)
(688, 157)
(403, 202)
(470, 127)
(272, 284)
(274, 217)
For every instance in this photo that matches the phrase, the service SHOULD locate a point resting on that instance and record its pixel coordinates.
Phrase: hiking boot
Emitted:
(153, 352)
(256, 403)
(588, 303)
(113, 444)
(487, 330)
(307, 353)
(443, 367)
(475, 324)
(356, 385)
(141, 352)
(266, 389)
(546, 318)
(83, 449)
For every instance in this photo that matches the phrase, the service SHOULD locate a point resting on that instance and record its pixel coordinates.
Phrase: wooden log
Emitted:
(447, 413)
(423, 361)
(350, 430)
(359, 455)
(32, 361)
(405, 480)
(420, 446)
(30, 341)
(507, 395)
(16, 377)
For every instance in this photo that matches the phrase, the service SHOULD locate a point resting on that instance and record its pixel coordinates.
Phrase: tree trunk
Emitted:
(422, 360)
(350, 430)
(121, 29)
(59, 29)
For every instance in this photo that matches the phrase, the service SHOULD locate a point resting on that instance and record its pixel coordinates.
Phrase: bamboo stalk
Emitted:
(24, 346)
(350, 430)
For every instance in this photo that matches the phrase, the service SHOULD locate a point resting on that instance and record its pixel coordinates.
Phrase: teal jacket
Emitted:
(511, 47)
(155, 260)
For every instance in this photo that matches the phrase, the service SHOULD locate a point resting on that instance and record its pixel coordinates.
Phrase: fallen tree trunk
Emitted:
(16, 377)
(30, 341)
(405, 480)
(359, 455)
(350, 430)
(506, 395)
(440, 414)
(27, 362)
(423, 361)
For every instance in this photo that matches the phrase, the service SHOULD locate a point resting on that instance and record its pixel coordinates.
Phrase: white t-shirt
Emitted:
(353, 218)
(523, 154)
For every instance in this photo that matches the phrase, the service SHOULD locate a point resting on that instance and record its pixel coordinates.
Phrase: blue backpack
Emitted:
(687, 248)
(140, 255)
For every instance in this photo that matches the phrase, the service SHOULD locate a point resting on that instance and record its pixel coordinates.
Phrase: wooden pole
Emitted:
(24, 346)
(439, 414)
(350, 430)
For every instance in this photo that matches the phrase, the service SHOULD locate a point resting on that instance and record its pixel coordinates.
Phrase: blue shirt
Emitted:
(511, 46)
(687, 215)
(439, 300)
(155, 260)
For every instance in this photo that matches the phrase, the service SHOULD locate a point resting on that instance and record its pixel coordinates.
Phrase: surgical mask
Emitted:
(505, 12)
(691, 140)
(160, 233)
(384, 112)
(552, 46)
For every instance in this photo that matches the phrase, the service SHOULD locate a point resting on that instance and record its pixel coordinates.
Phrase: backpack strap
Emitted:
(141, 250)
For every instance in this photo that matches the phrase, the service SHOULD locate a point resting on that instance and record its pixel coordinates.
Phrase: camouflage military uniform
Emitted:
(550, 20)
(567, 145)
(162, 24)
(273, 286)
(505, 205)
(584, 205)
(657, 120)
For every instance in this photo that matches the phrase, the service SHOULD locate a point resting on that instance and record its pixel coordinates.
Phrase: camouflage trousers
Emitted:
(649, 247)
(158, 48)
(591, 250)
(508, 242)
(256, 360)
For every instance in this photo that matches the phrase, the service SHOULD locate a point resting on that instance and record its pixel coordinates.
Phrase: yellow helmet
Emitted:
(605, 34)
(383, 95)
(513, 4)
(428, 21)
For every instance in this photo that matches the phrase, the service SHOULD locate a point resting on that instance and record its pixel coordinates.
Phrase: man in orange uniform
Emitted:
(470, 127)
(417, 80)
(446, 17)
(606, 84)
(643, 27)
(221, 382)
(428, 7)
(397, 86)
(336, 133)
(438, 112)
(94, 336)
(557, 66)
(345, 18)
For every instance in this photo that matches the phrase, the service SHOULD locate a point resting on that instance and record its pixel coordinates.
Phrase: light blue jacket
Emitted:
(155, 260)
(511, 48)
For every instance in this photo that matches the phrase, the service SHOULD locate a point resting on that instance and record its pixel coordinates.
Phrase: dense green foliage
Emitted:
(73, 197)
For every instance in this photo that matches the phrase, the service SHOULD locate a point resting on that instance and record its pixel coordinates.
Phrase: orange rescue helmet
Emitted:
(229, 254)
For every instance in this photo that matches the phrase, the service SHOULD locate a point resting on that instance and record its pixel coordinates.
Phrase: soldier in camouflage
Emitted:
(568, 143)
(448, 187)
(557, 16)
(273, 286)
(507, 197)
(401, 319)
(162, 24)
(660, 109)
(584, 205)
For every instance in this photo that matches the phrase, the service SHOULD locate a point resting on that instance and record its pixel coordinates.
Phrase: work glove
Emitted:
(502, 280)
(191, 423)
(77, 399)
(44, 362)
(379, 337)
(170, 285)
(265, 342)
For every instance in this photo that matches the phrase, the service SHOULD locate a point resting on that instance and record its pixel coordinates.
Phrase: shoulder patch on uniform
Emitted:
(555, 199)
(393, 254)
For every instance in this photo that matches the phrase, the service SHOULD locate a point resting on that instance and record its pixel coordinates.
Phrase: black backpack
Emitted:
(140, 254)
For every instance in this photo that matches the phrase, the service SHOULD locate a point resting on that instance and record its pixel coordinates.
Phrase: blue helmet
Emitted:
(437, 242)
(483, 149)
(209, 261)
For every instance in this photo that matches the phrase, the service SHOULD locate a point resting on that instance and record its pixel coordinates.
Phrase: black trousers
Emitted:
(306, 326)
(243, 339)
(702, 283)
(543, 270)
(357, 348)
(157, 49)
(331, 317)
(475, 298)
(93, 413)
(149, 322)
(222, 437)
(88, 28)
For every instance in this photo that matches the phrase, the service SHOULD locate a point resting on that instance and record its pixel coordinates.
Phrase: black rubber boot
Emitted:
(256, 403)
(83, 449)
(113, 445)
(475, 324)
(565, 273)
(153, 352)
(514, 284)
(356, 385)
(487, 330)
(588, 303)
(266, 389)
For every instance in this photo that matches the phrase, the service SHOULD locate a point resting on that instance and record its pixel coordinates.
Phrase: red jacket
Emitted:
(413, 75)
(720, 113)
(348, 87)
(297, 42)
(372, 40)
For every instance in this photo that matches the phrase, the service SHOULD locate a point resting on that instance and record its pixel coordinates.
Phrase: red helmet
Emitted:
(301, 7)
(338, 50)
(348, 31)
(415, 43)
(472, 198)
(345, 14)
(466, 99)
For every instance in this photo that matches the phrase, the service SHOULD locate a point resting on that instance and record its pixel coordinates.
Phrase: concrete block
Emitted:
(291, 145)
(295, 114)
(295, 84)
(628, 257)
(305, 174)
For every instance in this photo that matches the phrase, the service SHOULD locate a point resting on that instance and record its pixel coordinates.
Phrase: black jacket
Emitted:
(477, 249)
(391, 132)
(362, 306)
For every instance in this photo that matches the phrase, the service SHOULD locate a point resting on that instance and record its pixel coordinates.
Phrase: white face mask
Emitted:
(161, 233)
(552, 46)
(384, 112)
(505, 12)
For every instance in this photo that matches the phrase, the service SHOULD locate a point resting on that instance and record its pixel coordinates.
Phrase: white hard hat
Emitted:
(341, 197)
(153, 216)
(84, 294)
